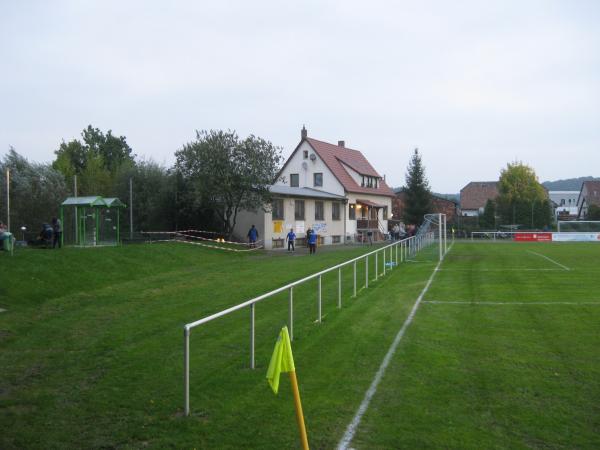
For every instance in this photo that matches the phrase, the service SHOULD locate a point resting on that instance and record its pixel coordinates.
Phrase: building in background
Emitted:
(589, 195)
(329, 188)
(475, 195)
(564, 204)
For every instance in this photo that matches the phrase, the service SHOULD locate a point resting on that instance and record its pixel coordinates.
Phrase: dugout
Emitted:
(91, 221)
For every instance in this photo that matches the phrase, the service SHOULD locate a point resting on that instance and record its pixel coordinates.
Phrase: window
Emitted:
(277, 209)
(336, 239)
(318, 180)
(319, 215)
(352, 211)
(299, 209)
(294, 180)
(305, 154)
(385, 213)
(335, 211)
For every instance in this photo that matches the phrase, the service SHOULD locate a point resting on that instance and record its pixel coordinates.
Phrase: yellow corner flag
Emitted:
(283, 361)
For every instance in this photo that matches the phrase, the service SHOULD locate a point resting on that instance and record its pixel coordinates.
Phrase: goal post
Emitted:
(435, 227)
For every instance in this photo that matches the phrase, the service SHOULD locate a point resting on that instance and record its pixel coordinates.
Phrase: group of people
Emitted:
(311, 239)
(51, 235)
(401, 231)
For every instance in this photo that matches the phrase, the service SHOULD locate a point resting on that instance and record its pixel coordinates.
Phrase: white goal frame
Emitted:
(577, 221)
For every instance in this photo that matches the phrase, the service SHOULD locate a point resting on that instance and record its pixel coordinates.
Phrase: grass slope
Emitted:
(91, 347)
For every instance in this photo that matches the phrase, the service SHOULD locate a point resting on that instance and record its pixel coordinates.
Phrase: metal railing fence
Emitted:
(396, 252)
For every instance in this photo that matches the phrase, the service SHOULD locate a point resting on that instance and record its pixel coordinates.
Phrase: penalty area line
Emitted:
(549, 259)
(362, 409)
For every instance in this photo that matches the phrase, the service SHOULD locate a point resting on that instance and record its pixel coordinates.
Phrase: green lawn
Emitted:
(91, 349)
(517, 366)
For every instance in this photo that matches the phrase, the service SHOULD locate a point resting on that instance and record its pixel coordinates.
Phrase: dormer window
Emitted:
(370, 182)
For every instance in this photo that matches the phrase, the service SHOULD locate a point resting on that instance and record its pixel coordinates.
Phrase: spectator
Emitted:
(291, 239)
(56, 232)
(3, 234)
(312, 242)
(252, 236)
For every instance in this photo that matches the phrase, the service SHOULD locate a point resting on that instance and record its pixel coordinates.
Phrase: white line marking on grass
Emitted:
(502, 270)
(549, 259)
(437, 302)
(2, 310)
(353, 426)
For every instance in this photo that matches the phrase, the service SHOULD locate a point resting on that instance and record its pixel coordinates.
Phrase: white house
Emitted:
(565, 204)
(329, 188)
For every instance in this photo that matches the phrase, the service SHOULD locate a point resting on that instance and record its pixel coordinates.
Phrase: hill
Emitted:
(568, 184)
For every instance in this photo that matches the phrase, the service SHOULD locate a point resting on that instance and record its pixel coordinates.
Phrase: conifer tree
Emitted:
(418, 195)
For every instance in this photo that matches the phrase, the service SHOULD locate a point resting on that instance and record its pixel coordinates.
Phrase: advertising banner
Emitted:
(533, 237)
(576, 237)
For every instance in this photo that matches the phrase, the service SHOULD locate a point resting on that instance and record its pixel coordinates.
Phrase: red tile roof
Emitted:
(333, 156)
(475, 194)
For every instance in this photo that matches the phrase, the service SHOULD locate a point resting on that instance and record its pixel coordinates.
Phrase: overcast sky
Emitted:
(472, 84)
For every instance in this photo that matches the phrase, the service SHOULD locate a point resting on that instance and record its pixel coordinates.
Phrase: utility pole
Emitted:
(8, 200)
(130, 208)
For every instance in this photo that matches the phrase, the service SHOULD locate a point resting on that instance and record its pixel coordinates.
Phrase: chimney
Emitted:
(303, 133)
(341, 144)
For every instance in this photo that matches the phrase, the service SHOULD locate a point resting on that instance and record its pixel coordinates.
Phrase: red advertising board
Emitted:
(533, 237)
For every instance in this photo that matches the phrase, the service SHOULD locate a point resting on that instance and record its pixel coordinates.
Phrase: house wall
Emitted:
(294, 165)
(245, 219)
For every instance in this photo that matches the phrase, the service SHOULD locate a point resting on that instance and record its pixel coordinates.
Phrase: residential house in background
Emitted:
(475, 195)
(329, 188)
(564, 204)
(589, 195)
(439, 204)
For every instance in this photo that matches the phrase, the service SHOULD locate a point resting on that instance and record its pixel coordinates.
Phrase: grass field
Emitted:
(503, 352)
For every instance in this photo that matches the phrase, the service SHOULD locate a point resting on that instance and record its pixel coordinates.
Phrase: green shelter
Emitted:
(91, 221)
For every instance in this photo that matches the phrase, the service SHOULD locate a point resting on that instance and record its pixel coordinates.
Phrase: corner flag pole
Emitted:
(283, 361)
(299, 414)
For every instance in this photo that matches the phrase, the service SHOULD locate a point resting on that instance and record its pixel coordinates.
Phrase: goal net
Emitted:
(578, 226)
(431, 241)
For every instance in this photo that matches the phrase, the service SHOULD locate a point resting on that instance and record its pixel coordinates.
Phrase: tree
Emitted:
(96, 161)
(36, 192)
(418, 194)
(488, 219)
(522, 199)
(229, 174)
(593, 212)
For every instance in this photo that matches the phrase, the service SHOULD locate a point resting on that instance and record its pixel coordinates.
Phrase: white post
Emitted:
(376, 265)
(440, 234)
(367, 271)
(252, 335)
(186, 371)
(384, 261)
(319, 295)
(354, 273)
(340, 287)
(291, 320)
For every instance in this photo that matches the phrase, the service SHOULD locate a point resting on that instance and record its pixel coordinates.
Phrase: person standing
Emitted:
(56, 232)
(312, 242)
(291, 239)
(252, 236)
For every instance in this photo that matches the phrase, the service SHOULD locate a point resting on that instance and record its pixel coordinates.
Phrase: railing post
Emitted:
(354, 273)
(340, 287)
(396, 254)
(291, 313)
(320, 276)
(384, 261)
(367, 271)
(376, 264)
(252, 335)
(186, 371)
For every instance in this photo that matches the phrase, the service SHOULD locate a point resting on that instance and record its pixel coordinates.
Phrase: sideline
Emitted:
(549, 259)
(353, 426)
(441, 302)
